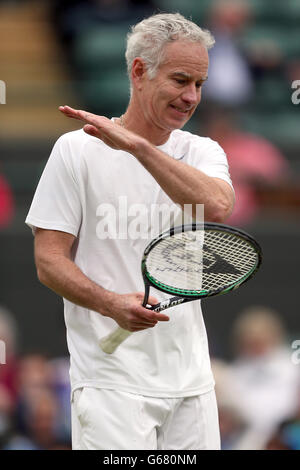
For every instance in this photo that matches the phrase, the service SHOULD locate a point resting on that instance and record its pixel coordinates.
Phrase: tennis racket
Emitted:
(193, 262)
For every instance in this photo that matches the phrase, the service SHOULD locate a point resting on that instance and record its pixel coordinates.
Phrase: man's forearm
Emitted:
(64, 277)
(185, 184)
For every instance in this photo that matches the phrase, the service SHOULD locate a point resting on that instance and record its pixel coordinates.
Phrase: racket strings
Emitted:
(192, 262)
(231, 248)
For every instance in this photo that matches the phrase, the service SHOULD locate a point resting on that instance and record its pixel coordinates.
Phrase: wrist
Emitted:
(106, 301)
(142, 149)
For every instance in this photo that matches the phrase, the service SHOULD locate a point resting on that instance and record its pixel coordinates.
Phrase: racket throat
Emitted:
(146, 296)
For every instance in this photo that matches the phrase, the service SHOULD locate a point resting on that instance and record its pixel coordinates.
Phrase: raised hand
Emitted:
(112, 134)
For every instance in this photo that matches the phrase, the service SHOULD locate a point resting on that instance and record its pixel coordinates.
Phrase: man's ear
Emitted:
(138, 72)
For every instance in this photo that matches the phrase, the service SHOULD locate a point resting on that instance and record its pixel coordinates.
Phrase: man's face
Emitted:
(170, 99)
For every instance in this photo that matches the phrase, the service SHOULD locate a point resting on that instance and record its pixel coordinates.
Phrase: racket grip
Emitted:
(109, 343)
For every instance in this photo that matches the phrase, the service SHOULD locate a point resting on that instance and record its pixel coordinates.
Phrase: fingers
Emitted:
(69, 112)
(152, 300)
(141, 326)
(103, 128)
(91, 130)
(78, 114)
(150, 315)
(95, 132)
(82, 115)
(161, 317)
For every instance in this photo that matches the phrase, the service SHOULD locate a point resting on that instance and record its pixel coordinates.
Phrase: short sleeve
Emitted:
(209, 157)
(56, 203)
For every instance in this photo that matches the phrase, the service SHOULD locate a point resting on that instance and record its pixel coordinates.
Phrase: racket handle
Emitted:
(109, 343)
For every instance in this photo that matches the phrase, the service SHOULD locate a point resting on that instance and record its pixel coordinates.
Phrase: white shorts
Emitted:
(113, 420)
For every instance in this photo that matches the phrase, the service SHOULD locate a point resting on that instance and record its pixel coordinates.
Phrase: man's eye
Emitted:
(180, 81)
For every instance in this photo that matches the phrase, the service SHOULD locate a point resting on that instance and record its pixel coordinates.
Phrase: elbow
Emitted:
(216, 217)
(41, 274)
(220, 212)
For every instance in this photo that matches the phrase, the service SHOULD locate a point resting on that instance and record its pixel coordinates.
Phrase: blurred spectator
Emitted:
(6, 203)
(286, 437)
(74, 17)
(232, 425)
(265, 58)
(38, 410)
(62, 389)
(229, 78)
(8, 371)
(40, 415)
(265, 381)
(253, 161)
(91, 33)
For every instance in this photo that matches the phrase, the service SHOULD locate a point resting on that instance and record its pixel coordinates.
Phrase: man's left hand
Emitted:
(112, 134)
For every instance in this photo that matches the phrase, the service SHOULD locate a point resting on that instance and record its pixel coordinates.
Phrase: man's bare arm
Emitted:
(56, 270)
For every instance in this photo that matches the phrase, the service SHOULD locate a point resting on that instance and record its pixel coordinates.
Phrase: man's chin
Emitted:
(179, 124)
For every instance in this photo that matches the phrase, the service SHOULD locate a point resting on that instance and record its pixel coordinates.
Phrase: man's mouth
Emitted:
(180, 110)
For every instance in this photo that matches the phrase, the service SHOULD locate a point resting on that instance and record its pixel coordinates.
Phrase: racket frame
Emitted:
(148, 280)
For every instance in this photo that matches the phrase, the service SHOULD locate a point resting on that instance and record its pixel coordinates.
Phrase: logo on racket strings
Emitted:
(179, 256)
(213, 263)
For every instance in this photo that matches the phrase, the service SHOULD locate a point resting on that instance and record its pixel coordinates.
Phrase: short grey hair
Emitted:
(148, 39)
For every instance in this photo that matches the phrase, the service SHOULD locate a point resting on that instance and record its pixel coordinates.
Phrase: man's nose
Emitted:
(191, 94)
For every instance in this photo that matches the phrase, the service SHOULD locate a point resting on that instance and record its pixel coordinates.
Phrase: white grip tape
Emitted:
(109, 343)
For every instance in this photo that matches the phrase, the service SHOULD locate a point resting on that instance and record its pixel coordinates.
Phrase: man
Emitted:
(156, 391)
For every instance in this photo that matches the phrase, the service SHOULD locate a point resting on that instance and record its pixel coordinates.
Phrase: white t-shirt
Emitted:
(87, 187)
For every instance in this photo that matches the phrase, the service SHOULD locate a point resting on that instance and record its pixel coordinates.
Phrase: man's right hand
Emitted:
(128, 312)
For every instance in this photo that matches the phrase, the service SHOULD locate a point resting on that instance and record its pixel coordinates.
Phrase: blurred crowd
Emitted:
(7, 205)
(34, 396)
(258, 391)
